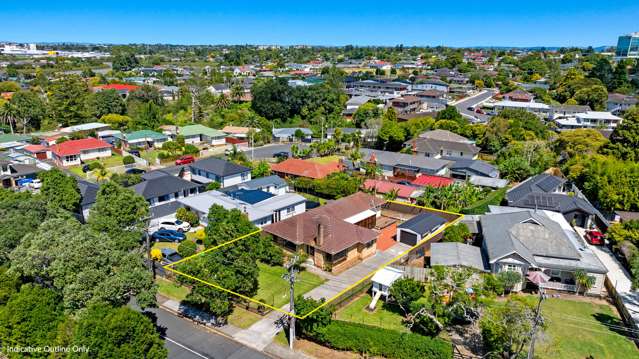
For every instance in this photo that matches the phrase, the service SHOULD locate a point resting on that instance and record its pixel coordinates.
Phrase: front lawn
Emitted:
(243, 318)
(274, 290)
(383, 316)
(579, 329)
(171, 290)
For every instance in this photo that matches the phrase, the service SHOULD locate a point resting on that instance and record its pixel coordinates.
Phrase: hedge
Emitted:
(494, 198)
(387, 343)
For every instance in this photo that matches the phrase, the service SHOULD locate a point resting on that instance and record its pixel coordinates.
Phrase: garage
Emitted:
(407, 237)
(419, 227)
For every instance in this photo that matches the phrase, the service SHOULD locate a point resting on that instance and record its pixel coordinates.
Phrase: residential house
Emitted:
(618, 103)
(38, 151)
(261, 208)
(74, 152)
(589, 119)
(109, 136)
(524, 241)
(419, 228)
(288, 134)
(223, 172)
(518, 96)
(122, 89)
(295, 167)
(386, 188)
(442, 144)
(555, 194)
(406, 104)
(12, 173)
(272, 184)
(219, 89)
(434, 99)
(144, 139)
(237, 132)
(464, 168)
(199, 134)
(88, 194)
(382, 282)
(354, 103)
(10, 140)
(371, 86)
(538, 108)
(432, 181)
(431, 84)
(451, 254)
(335, 236)
(85, 128)
(566, 111)
(405, 165)
(162, 190)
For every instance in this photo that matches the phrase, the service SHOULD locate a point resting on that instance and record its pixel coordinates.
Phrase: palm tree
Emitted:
(583, 281)
(222, 102)
(237, 92)
(392, 195)
(8, 115)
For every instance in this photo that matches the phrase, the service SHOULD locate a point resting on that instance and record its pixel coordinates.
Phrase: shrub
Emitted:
(128, 160)
(185, 215)
(190, 150)
(494, 198)
(187, 248)
(268, 252)
(386, 343)
(213, 186)
(95, 165)
(200, 235)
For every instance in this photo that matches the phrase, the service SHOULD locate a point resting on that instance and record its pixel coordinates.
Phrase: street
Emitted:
(462, 106)
(267, 151)
(186, 340)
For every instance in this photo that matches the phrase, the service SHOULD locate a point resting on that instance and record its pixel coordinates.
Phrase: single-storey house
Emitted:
(405, 165)
(288, 134)
(464, 168)
(418, 228)
(524, 241)
(196, 134)
(403, 192)
(442, 143)
(272, 184)
(335, 236)
(74, 152)
(224, 172)
(144, 139)
(452, 254)
(295, 167)
(11, 173)
(38, 151)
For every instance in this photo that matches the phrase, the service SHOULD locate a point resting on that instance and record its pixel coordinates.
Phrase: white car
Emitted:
(175, 225)
(36, 184)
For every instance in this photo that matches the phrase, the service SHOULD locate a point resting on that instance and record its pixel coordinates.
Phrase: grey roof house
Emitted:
(451, 254)
(224, 172)
(463, 168)
(272, 184)
(419, 227)
(11, 173)
(523, 240)
(442, 143)
(394, 164)
(88, 194)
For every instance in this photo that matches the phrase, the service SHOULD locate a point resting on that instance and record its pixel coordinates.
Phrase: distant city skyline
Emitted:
(329, 23)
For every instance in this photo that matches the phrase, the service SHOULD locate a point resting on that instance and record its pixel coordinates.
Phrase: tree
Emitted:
(20, 215)
(603, 71)
(579, 142)
(584, 281)
(9, 86)
(117, 333)
(118, 122)
(68, 100)
(61, 254)
(261, 169)
(30, 109)
(9, 115)
(187, 248)
(106, 102)
(391, 135)
(505, 329)
(366, 112)
(120, 213)
(147, 116)
(510, 279)
(594, 96)
(457, 233)
(271, 98)
(405, 291)
(313, 324)
(30, 318)
(450, 113)
(188, 216)
(60, 190)
(624, 140)
(124, 59)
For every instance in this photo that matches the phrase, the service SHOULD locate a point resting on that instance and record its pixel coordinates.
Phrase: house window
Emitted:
(290, 209)
(244, 176)
(510, 268)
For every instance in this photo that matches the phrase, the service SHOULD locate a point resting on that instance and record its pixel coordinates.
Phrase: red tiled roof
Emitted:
(36, 148)
(432, 181)
(403, 191)
(302, 168)
(73, 147)
(118, 87)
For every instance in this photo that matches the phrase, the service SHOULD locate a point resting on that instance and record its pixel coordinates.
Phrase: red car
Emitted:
(595, 237)
(184, 160)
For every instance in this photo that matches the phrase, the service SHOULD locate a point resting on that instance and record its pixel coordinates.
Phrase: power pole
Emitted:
(538, 320)
(292, 271)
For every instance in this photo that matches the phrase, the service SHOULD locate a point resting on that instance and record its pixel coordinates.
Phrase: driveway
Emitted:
(462, 105)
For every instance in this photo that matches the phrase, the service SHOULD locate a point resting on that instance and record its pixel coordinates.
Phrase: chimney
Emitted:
(319, 240)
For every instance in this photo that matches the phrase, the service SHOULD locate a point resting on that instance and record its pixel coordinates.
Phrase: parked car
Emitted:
(36, 184)
(480, 111)
(170, 255)
(135, 171)
(86, 168)
(595, 237)
(168, 235)
(471, 108)
(175, 225)
(184, 160)
(282, 154)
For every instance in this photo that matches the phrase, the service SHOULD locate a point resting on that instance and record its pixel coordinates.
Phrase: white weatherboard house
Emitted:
(74, 152)
(196, 134)
(224, 172)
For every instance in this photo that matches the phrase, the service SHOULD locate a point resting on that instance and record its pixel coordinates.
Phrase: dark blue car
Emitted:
(167, 235)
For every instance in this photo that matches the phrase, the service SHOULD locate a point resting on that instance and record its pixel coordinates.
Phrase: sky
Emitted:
(327, 22)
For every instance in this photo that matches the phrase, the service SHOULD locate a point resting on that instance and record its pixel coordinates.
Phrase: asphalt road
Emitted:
(463, 105)
(185, 340)
(264, 152)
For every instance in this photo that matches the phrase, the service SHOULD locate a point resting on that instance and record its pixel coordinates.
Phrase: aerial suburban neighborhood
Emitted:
(161, 200)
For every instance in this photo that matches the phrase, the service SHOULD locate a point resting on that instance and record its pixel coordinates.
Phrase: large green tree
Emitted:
(624, 140)
(60, 190)
(68, 100)
(106, 102)
(20, 214)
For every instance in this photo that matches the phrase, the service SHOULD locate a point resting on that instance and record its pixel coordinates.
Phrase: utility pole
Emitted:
(538, 320)
(292, 271)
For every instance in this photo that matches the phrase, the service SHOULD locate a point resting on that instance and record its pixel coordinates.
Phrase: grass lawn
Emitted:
(243, 318)
(171, 290)
(577, 329)
(384, 317)
(324, 160)
(113, 161)
(313, 198)
(160, 245)
(273, 289)
(281, 339)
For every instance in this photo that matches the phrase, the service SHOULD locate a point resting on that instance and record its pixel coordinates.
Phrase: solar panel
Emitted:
(549, 183)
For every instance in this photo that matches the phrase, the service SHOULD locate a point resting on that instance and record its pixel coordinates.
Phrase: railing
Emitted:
(559, 286)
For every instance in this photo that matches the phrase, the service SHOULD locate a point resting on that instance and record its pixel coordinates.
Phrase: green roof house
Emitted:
(196, 134)
(145, 139)
(9, 140)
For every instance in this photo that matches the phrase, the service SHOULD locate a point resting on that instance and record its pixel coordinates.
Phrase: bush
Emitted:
(386, 343)
(190, 150)
(95, 165)
(128, 160)
(269, 253)
(187, 248)
(185, 215)
(213, 186)
(494, 198)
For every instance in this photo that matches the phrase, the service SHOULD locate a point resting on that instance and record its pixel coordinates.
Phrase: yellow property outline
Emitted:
(169, 267)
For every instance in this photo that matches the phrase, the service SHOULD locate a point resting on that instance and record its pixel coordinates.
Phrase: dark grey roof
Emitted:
(430, 145)
(457, 254)
(423, 223)
(387, 158)
(88, 192)
(160, 184)
(19, 169)
(219, 167)
(473, 167)
(165, 209)
(542, 183)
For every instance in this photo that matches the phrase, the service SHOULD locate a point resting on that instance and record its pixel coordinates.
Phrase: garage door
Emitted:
(408, 238)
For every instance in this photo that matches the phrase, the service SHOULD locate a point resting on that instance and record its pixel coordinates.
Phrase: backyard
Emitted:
(383, 316)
